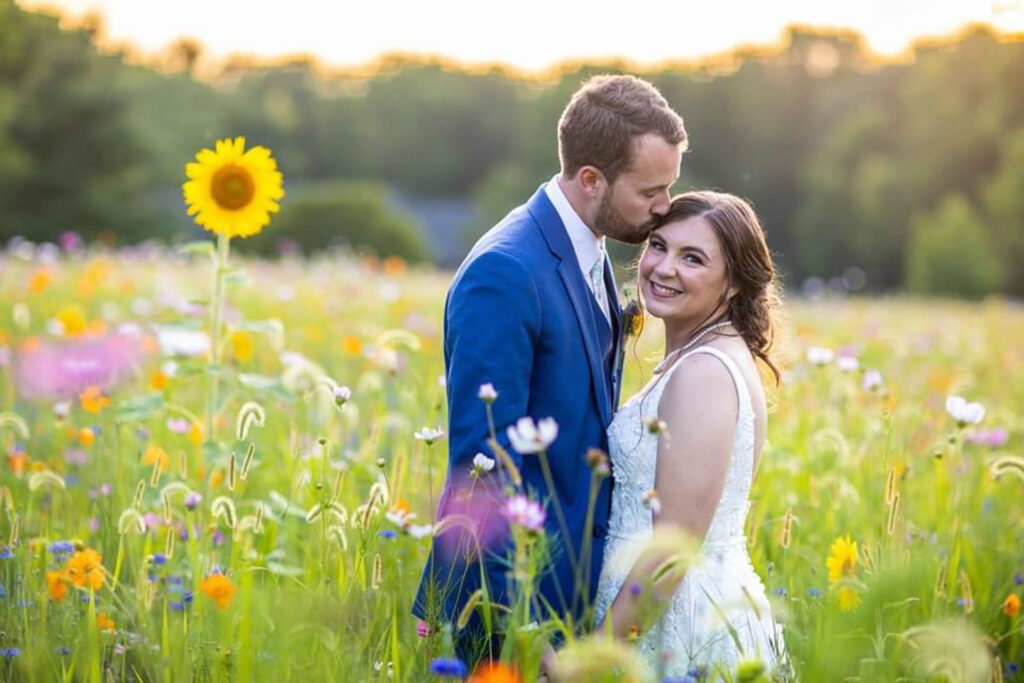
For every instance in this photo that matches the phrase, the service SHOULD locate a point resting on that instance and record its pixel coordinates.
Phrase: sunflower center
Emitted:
(233, 187)
(847, 568)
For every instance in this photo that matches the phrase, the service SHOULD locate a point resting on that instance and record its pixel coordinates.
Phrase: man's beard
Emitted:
(611, 223)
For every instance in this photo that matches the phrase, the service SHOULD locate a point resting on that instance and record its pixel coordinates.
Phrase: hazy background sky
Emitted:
(528, 34)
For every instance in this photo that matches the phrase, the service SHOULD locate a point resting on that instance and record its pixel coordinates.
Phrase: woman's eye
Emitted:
(692, 259)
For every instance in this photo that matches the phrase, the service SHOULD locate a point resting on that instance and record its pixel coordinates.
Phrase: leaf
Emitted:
(140, 407)
(197, 247)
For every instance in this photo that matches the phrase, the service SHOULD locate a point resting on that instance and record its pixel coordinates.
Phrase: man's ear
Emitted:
(591, 181)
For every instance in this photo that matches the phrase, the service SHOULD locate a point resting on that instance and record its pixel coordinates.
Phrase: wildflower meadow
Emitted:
(217, 469)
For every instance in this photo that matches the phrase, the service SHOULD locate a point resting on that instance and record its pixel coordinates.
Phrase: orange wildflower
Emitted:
(56, 583)
(352, 345)
(495, 672)
(158, 381)
(18, 462)
(95, 328)
(217, 479)
(402, 506)
(154, 454)
(1011, 606)
(218, 588)
(86, 436)
(105, 623)
(93, 400)
(195, 434)
(394, 265)
(40, 280)
(86, 567)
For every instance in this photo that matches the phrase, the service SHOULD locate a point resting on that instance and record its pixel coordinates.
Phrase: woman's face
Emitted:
(682, 271)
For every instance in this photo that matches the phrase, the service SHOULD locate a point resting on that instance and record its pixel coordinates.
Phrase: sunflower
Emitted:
(232, 191)
(842, 562)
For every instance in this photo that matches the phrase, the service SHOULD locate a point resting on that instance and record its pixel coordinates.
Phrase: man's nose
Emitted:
(661, 205)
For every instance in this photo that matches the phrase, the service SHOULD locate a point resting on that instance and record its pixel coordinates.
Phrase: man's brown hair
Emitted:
(602, 120)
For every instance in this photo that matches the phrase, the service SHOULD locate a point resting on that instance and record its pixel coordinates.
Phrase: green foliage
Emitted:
(951, 252)
(1004, 202)
(358, 215)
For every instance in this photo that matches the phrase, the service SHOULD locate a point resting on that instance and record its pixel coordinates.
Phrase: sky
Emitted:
(526, 34)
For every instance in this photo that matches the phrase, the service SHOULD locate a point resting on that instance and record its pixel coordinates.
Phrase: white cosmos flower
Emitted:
(419, 530)
(482, 463)
(487, 393)
(820, 355)
(178, 341)
(964, 412)
(428, 435)
(527, 437)
(847, 363)
(872, 380)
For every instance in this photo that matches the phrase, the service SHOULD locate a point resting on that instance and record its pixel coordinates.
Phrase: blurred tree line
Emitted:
(909, 174)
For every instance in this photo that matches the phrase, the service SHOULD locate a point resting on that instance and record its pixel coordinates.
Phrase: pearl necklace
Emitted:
(670, 358)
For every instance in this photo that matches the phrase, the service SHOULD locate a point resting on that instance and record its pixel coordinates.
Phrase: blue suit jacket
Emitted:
(520, 316)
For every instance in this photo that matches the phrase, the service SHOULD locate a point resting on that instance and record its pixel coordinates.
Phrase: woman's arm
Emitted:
(699, 408)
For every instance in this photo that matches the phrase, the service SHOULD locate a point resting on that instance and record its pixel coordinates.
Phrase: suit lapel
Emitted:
(572, 278)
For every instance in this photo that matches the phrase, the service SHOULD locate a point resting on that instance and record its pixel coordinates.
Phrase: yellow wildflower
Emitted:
(73, 319)
(241, 345)
(842, 562)
(158, 381)
(848, 599)
(232, 191)
(155, 454)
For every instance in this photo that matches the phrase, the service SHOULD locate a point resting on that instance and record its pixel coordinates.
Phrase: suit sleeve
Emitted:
(493, 324)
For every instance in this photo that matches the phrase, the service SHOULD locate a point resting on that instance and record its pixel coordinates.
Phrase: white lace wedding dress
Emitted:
(719, 615)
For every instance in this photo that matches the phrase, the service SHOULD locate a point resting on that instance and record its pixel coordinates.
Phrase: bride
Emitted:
(685, 449)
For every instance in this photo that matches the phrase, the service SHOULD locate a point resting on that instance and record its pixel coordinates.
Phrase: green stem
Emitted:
(216, 316)
(550, 481)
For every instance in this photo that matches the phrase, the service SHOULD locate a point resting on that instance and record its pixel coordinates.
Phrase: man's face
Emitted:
(631, 205)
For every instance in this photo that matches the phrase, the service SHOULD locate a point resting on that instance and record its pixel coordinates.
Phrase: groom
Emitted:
(533, 311)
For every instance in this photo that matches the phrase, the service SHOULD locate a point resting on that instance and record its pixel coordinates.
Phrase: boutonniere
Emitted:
(632, 315)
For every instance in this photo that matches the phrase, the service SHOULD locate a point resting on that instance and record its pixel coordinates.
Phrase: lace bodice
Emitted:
(722, 583)
(634, 453)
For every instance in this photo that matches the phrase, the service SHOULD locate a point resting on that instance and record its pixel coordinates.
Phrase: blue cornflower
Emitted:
(10, 652)
(1018, 579)
(63, 651)
(448, 666)
(158, 558)
(387, 533)
(176, 606)
(6, 553)
(635, 589)
(814, 592)
(780, 591)
(61, 547)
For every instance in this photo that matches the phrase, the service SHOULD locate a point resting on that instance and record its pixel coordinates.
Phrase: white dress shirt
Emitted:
(588, 246)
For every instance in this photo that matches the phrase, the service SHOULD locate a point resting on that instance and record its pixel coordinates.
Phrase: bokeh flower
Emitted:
(218, 588)
(963, 412)
(487, 393)
(56, 585)
(495, 672)
(448, 667)
(232, 191)
(522, 511)
(820, 355)
(848, 598)
(527, 437)
(842, 563)
(93, 400)
(1011, 606)
(105, 623)
(86, 568)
